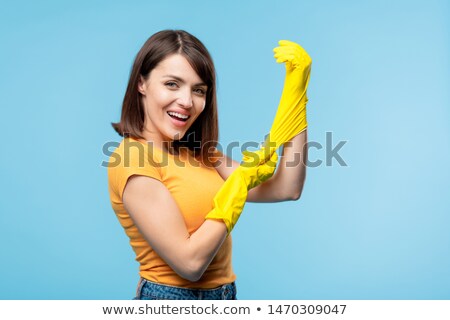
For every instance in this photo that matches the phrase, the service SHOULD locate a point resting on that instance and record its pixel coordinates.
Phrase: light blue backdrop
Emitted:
(376, 229)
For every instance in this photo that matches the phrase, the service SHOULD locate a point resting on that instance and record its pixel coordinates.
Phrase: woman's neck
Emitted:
(165, 146)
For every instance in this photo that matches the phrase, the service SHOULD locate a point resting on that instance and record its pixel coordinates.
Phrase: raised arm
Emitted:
(287, 182)
(288, 129)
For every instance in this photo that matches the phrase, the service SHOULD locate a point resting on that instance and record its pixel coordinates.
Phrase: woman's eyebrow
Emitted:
(181, 80)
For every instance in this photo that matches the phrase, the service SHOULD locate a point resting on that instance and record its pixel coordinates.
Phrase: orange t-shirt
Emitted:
(192, 184)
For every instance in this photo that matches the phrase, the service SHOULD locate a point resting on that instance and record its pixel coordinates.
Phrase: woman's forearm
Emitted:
(187, 254)
(203, 245)
(287, 182)
(291, 173)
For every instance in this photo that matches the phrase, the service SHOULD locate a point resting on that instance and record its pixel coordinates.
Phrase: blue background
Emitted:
(376, 229)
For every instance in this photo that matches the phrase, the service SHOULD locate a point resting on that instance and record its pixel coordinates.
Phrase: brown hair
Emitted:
(204, 132)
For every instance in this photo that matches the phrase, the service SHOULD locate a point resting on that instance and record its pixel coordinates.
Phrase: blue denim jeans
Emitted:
(148, 290)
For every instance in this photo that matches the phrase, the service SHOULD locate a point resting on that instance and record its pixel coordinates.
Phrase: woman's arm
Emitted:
(156, 215)
(287, 182)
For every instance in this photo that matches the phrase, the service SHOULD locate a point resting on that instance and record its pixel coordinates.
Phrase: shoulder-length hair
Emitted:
(203, 133)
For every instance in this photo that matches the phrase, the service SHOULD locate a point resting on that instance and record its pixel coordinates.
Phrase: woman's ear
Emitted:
(141, 85)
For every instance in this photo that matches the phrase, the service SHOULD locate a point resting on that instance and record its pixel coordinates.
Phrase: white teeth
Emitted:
(178, 115)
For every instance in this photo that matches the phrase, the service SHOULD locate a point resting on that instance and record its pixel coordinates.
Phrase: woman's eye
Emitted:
(200, 91)
(171, 84)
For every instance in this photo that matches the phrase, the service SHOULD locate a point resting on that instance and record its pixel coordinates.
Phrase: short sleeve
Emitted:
(130, 158)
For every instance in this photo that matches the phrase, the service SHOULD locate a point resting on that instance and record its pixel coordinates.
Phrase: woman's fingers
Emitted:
(292, 52)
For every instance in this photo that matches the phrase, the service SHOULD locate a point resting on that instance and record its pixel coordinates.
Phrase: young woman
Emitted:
(166, 179)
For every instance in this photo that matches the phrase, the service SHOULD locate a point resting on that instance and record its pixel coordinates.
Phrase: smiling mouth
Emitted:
(178, 116)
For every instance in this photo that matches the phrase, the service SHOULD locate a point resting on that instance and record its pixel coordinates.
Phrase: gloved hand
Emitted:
(258, 166)
(230, 199)
(290, 118)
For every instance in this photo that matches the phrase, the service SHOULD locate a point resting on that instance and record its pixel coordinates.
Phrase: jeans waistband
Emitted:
(148, 290)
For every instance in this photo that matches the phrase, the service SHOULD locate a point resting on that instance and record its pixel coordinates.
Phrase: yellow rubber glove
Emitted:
(289, 121)
(230, 199)
(290, 118)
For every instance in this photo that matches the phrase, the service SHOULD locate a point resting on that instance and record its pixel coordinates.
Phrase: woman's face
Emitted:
(173, 97)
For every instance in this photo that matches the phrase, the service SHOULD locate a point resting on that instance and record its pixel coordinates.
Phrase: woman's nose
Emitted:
(185, 99)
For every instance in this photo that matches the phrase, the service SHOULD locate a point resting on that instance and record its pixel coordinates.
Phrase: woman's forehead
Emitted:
(178, 66)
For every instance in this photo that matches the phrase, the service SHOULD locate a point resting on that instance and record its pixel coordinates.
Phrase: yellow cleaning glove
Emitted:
(230, 199)
(290, 118)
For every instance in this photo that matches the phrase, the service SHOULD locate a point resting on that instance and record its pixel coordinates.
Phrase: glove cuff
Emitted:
(218, 214)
